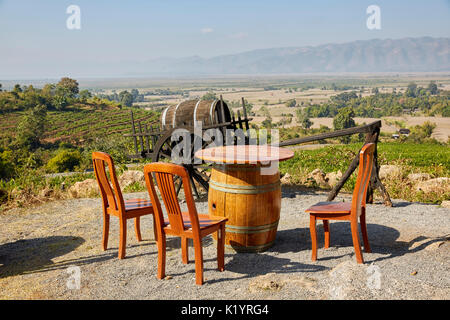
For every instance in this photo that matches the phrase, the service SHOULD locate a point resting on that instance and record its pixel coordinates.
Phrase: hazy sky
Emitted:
(36, 43)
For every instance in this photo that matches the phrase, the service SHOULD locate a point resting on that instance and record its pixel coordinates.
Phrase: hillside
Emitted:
(77, 125)
(400, 55)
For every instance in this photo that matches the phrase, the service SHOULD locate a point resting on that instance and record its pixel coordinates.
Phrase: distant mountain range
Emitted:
(424, 54)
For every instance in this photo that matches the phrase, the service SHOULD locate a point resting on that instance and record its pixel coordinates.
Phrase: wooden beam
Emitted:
(327, 135)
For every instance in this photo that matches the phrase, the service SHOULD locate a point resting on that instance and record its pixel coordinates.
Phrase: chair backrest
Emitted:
(164, 174)
(111, 194)
(363, 179)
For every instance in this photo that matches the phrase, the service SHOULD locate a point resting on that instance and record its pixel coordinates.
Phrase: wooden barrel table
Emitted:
(245, 187)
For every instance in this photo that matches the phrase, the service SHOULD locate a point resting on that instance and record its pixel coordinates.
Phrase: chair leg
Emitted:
(123, 238)
(362, 222)
(221, 248)
(106, 218)
(137, 228)
(161, 256)
(355, 237)
(184, 250)
(326, 230)
(155, 231)
(198, 261)
(312, 229)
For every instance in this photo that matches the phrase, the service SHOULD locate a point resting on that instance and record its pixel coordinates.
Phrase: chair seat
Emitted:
(137, 204)
(204, 220)
(330, 207)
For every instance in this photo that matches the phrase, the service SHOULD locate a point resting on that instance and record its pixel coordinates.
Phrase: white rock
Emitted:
(286, 179)
(131, 176)
(86, 188)
(332, 178)
(389, 171)
(419, 176)
(319, 176)
(445, 204)
(437, 185)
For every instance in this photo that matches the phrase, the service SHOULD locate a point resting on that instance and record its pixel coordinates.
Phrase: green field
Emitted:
(426, 158)
(78, 125)
(433, 159)
(55, 129)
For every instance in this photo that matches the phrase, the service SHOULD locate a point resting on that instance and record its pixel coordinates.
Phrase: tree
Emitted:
(65, 92)
(69, 86)
(126, 98)
(84, 95)
(306, 123)
(433, 88)
(421, 132)
(428, 128)
(48, 90)
(64, 161)
(291, 103)
(31, 98)
(60, 101)
(286, 119)
(134, 93)
(344, 120)
(7, 169)
(266, 113)
(209, 96)
(31, 127)
(267, 123)
(249, 108)
(303, 119)
(411, 90)
(446, 111)
(17, 88)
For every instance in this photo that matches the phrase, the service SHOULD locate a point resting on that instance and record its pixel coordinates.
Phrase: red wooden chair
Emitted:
(187, 225)
(349, 211)
(114, 204)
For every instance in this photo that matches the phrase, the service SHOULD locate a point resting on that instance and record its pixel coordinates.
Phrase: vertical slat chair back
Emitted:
(363, 178)
(164, 174)
(111, 194)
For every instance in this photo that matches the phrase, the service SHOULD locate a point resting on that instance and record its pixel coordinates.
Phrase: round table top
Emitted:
(244, 154)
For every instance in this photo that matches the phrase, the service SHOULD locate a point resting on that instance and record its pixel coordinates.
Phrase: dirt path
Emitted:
(410, 244)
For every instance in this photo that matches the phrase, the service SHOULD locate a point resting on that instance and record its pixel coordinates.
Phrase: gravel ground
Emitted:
(410, 244)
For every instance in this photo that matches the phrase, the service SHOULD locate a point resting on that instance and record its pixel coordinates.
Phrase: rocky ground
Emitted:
(42, 250)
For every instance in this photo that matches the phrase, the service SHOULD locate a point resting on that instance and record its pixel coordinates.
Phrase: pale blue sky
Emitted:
(35, 43)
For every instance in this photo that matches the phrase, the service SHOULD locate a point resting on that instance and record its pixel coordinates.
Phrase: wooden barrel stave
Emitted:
(188, 113)
(252, 202)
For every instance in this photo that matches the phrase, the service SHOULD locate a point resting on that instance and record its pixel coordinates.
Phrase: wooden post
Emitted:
(245, 114)
(147, 135)
(152, 136)
(222, 112)
(240, 120)
(141, 138)
(353, 165)
(375, 181)
(134, 133)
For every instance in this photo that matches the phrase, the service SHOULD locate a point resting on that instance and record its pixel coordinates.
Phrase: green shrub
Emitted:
(65, 160)
(7, 169)
(3, 196)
